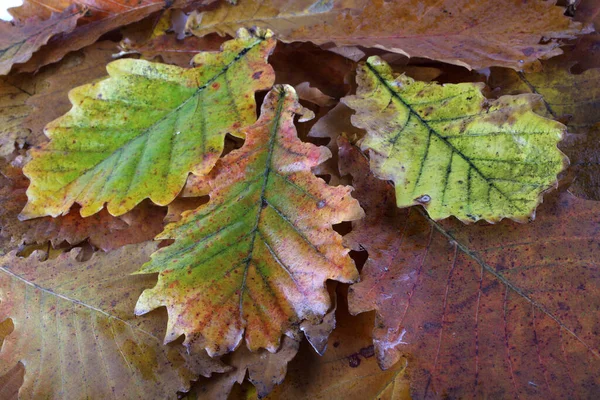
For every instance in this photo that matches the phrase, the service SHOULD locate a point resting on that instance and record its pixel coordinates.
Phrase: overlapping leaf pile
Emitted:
(331, 218)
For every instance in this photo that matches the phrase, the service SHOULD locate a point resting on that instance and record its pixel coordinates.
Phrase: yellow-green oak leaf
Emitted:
(253, 261)
(453, 151)
(140, 132)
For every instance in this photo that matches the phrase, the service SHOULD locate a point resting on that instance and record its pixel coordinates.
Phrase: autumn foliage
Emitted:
(211, 199)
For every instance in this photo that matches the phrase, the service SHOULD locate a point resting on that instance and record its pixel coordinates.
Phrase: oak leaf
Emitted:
(19, 41)
(348, 370)
(29, 101)
(570, 97)
(102, 17)
(483, 311)
(153, 37)
(451, 150)
(51, 100)
(75, 334)
(138, 133)
(103, 230)
(256, 257)
(473, 34)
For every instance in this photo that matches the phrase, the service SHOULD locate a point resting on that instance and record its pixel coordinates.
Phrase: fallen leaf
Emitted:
(75, 334)
(144, 114)
(333, 124)
(470, 33)
(314, 95)
(265, 370)
(11, 382)
(152, 38)
(29, 101)
(104, 231)
(256, 257)
(451, 150)
(13, 112)
(348, 370)
(588, 11)
(52, 101)
(19, 41)
(572, 98)
(482, 311)
(102, 18)
(304, 62)
(569, 97)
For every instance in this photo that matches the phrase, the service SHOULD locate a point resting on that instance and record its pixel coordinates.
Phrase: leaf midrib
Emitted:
(475, 257)
(25, 281)
(262, 199)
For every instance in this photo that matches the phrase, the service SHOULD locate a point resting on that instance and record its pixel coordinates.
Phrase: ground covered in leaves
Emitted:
(303, 199)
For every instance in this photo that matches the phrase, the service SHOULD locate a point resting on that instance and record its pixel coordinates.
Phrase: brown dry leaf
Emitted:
(11, 382)
(264, 370)
(13, 112)
(103, 17)
(52, 100)
(28, 102)
(304, 62)
(154, 37)
(484, 311)
(471, 33)
(314, 95)
(18, 41)
(103, 230)
(75, 332)
(348, 370)
(333, 124)
(588, 11)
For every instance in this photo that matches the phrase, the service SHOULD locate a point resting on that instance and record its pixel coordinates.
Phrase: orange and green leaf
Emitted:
(254, 260)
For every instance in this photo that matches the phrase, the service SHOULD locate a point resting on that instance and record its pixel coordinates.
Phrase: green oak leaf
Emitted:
(140, 132)
(453, 151)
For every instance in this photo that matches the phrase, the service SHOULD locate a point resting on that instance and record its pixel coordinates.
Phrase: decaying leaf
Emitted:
(104, 231)
(51, 101)
(572, 98)
(484, 311)
(256, 257)
(451, 150)
(19, 41)
(75, 333)
(265, 370)
(102, 17)
(138, 133)
(152, 38)
(12, 113)
(29, 101)
(470, 33)
(348, 370)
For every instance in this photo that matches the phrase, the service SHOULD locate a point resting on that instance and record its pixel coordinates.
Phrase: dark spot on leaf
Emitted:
(257, 75)
(354, 360)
